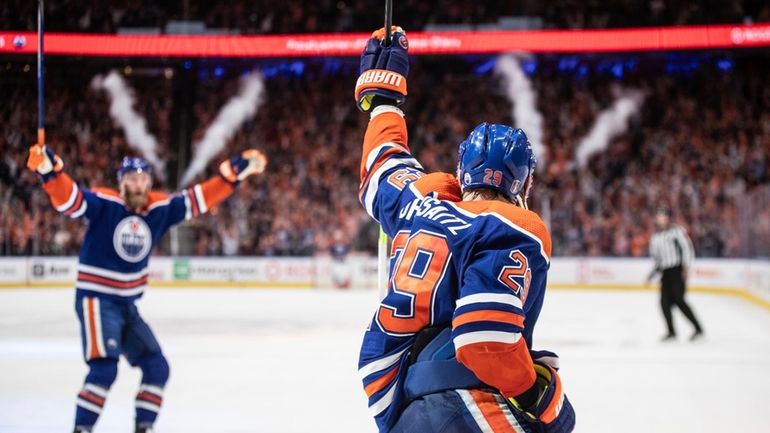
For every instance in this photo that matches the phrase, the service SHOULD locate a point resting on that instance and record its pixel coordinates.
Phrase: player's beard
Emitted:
(135, 200)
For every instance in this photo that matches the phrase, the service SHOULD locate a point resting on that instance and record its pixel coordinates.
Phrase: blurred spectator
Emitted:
(700, 145)
(306, 16)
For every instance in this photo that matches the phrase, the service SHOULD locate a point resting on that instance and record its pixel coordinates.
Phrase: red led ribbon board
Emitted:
(351, 44)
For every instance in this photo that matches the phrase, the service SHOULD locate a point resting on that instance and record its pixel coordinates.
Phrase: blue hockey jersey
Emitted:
(479, 267)
(116, 249)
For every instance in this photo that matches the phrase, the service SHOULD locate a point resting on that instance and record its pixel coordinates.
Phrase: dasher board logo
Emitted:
(132, 239)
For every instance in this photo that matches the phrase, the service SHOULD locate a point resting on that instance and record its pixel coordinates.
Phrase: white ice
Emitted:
(282, 361)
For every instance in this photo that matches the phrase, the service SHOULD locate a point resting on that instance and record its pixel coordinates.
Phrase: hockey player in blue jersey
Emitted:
(449, 349)
(123, 228)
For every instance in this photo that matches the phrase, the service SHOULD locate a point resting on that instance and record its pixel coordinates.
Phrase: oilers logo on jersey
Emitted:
(132, 239)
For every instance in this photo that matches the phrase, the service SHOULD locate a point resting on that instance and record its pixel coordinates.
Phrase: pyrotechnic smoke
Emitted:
(609, 124)
(237, 110)
(519, 89)
(122, 111)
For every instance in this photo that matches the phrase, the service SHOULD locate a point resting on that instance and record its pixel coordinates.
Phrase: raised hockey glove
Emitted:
(383, 71)
(43, 161)
(551, 411)
(239, 167)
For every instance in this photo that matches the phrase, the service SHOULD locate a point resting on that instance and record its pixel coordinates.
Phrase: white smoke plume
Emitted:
(609, 124)
(519, 89)
(134, 126)
(238, 109)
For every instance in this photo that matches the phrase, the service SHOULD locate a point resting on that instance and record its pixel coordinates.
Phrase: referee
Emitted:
(673, 253)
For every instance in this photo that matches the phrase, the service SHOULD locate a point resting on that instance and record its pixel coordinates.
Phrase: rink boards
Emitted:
(748, 279)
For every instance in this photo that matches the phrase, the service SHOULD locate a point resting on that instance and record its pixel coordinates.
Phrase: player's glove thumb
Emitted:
(383, 71)
(42, 160)
(239, 167)
(551, 409)
(545, 357)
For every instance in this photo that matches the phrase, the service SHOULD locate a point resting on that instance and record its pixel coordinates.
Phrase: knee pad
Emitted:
(155, 369)
(102, 371)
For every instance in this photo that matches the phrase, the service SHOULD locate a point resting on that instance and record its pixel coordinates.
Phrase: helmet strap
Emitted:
(521, 202)
(523, 196)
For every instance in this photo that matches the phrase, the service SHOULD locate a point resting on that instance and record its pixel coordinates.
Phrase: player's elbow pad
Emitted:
(504, 366)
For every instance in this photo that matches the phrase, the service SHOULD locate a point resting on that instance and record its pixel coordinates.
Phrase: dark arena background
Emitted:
(261, 303)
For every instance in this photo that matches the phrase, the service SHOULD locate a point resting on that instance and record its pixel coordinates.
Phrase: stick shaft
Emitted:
(383, 264)
(383, 259)
(388, 20)
(40, 74)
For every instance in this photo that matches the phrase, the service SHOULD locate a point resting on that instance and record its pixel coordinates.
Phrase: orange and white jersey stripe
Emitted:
(490, 412)
(101, 280)
(381, 377)
(204, 196)
(92, 322)
(66, 196)
(385, 151)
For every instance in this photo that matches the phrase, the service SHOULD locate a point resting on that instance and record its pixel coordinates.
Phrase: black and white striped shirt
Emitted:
(671, 247)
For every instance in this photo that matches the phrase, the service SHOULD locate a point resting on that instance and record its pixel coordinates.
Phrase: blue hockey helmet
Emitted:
(497, 157)
(133, 164)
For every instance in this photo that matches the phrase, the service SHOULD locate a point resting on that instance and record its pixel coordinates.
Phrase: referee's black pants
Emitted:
(672, 288)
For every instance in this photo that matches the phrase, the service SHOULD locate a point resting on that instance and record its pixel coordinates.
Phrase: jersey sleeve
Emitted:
(501, 292)
(487, 327)
(387, 166)
(70, 199)
(198, 199)
(654, 253)
(688, 251)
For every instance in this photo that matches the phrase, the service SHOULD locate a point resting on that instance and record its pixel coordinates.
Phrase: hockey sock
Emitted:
(148, 402)
(90, 403)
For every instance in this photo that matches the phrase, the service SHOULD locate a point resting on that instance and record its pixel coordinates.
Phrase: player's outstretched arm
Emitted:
(201, 197)
(387, 166)
(64, 193)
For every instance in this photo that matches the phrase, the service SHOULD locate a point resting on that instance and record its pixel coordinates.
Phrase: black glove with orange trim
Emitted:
(383, 71)
(545, 406)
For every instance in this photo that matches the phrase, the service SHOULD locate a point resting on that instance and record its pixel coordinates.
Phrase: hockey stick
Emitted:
(388, 20)
(40, 73)
(383, 259)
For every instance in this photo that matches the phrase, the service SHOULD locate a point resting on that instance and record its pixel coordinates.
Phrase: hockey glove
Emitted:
(43, 161)
(551, 411)
(239, 167)
(383, 71)
(545, 357)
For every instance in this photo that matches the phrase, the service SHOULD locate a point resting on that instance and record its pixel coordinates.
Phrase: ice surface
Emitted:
(282, 361)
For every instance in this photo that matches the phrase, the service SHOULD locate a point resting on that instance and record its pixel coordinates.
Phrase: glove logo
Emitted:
(380, 76)
(132, 239)
(403, 42)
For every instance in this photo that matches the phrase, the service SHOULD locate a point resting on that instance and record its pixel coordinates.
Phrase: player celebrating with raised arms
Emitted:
(123, 228)
(450, 347)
